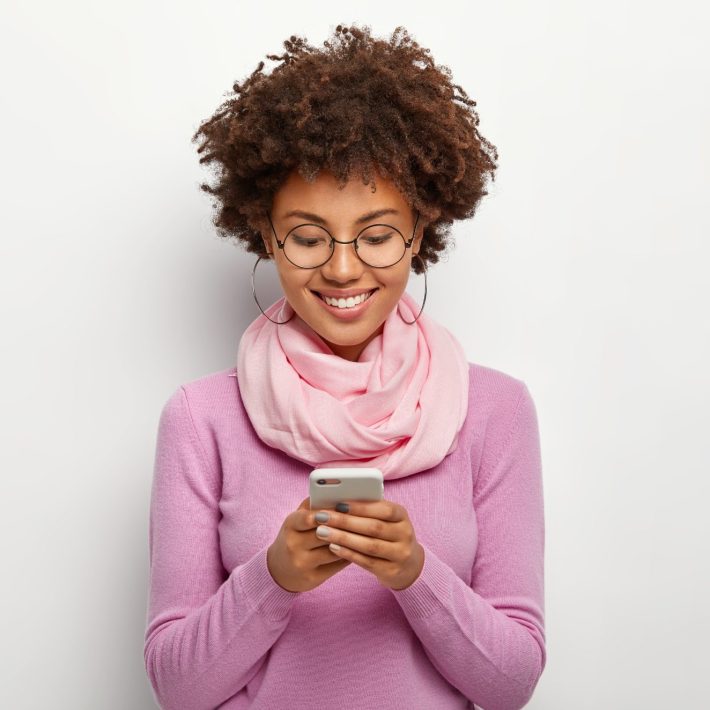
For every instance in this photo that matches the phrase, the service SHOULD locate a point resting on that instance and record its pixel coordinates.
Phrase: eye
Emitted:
(375, 239)
(308, 240)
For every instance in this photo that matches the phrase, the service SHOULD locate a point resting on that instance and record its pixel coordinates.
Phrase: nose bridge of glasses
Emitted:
(344, 242)
(349, 253)
(348, 258)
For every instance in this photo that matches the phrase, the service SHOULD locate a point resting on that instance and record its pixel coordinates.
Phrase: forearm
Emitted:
(494, 658)
(197, 660)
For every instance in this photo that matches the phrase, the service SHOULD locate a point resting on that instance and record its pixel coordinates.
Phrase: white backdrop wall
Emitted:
(584, 274)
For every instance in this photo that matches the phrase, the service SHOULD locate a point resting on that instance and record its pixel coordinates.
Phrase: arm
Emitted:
(488, 640)
(206, 636)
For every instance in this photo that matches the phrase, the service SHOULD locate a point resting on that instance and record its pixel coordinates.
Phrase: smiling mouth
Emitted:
(348, 307)
(367, 293)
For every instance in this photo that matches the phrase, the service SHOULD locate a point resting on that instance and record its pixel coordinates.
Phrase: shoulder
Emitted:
(207, 399)
(494, 390)
(215, 388)
(499, 405)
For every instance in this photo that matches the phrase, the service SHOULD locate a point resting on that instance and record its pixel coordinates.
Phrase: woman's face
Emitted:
(344, 213)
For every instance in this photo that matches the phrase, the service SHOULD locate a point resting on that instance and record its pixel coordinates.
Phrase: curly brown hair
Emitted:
(357, 106)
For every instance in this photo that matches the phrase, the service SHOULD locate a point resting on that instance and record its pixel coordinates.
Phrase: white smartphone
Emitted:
(328, 486)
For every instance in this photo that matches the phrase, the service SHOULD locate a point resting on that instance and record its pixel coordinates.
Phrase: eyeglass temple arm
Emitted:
(276, 236)
(414, 231)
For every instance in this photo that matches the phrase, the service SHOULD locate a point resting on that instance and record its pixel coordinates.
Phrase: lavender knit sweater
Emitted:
(221, 633)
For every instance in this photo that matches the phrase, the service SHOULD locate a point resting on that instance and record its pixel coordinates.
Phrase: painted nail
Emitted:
(322, 531)
(322, 517)
(342, 507)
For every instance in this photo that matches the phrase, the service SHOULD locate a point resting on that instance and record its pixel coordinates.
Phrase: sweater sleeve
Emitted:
(207, 632)
(488, 639)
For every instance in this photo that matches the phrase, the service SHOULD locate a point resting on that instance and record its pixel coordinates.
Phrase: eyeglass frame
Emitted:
(333, 240)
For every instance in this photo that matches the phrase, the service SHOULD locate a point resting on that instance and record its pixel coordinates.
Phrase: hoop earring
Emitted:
(253, 290)
(410, 322)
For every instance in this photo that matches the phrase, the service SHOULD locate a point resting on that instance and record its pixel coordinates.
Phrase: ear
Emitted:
(417, 243)
(421, 226)
(262, 226)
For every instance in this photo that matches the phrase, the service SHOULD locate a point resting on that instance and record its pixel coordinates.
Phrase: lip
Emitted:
(347, 313)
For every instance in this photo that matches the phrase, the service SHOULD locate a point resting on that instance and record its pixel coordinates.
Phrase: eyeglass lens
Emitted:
(379, 245)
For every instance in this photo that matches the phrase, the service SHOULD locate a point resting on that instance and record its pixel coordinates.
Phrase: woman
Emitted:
(346, 166)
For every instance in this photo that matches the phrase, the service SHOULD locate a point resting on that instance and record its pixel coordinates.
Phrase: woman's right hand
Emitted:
(297, 559)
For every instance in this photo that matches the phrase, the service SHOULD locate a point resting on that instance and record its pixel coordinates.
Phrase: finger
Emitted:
(324, 556)
(371, 547)
(365, 561)
(302, 518)
(383, 509)
(311, 541)
(321, 553)
(372, 527)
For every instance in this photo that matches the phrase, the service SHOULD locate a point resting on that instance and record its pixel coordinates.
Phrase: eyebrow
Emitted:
(360, 220)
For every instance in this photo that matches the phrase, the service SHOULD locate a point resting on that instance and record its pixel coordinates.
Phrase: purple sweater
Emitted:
(467, 633)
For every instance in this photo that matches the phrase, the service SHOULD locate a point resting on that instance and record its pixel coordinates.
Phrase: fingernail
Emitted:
(322, 517)
(322, 531)
(342, 507)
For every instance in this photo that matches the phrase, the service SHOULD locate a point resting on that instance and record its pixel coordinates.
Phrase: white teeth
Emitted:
(347, 302)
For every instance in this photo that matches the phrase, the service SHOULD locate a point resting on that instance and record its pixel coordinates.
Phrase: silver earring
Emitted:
(253, 290)
(410, 322)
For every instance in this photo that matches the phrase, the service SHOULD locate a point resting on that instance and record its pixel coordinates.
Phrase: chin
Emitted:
(343, 333)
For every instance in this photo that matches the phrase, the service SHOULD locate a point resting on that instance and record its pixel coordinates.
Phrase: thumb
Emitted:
(305, 504)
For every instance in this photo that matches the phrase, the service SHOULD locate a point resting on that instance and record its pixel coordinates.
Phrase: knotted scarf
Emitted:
(398, 408)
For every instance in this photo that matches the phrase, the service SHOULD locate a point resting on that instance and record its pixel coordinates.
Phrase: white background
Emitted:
(585, 273)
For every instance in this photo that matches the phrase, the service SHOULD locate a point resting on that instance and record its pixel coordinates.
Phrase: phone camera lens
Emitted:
(321, 481)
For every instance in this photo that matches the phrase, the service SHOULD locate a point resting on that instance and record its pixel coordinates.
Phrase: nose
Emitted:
(344, 265)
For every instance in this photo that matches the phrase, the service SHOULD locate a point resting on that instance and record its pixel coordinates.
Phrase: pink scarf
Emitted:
(399, 408)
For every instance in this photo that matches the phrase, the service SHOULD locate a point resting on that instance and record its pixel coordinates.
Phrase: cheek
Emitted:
(398, 281)
(292, 281)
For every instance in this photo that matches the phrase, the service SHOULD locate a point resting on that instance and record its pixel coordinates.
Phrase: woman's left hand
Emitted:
(379, 537)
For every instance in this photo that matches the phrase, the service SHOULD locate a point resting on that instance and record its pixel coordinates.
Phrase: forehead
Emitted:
(325, 197)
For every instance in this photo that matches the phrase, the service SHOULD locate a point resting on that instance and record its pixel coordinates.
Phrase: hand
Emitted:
(297, 560)
(378, 536)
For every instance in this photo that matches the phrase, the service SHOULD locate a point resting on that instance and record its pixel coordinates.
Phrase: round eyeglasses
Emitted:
(309, 246)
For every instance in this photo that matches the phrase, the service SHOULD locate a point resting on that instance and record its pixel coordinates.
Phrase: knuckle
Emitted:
(378, 528)
(376, 548)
